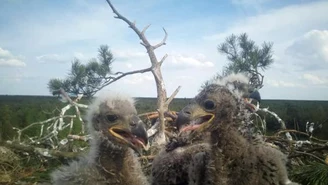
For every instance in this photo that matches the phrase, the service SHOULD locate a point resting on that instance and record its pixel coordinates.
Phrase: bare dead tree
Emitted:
(162, 100)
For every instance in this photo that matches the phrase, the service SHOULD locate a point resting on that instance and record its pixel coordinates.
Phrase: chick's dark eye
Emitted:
(209, 105)
(111, 118)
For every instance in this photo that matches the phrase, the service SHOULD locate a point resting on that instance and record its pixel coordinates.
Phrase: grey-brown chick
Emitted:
(173, 167)
(115, 130)
(236, 158)
(183, 160)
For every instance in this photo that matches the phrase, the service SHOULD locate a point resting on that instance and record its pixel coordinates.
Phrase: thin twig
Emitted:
(20, 131)
(169, 100)
(282, 123)
(300, 154)
(163, 41)
(131, 25)
(302, 133)
(162, 60)
(144, 30)
(112, 80)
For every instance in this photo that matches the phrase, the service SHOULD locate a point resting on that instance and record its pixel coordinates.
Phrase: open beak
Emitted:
(134, 136)
(139, 131)
(193, 117)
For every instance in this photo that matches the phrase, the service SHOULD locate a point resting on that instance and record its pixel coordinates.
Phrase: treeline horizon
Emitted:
(51, 96)
(20, 111)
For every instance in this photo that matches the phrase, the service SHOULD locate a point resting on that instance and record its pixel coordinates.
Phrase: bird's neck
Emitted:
(118, 163)
(228, 141)
(111, 157)
(228, 148)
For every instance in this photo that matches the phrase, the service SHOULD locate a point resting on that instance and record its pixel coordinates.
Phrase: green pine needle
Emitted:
(313, 173)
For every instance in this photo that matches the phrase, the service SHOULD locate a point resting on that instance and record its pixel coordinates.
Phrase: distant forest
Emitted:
(20, 111)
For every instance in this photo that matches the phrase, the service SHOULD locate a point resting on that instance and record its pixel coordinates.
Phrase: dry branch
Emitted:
(77, 137)
(39, 151)
(49, 134)
(121, 75)
(20, 131)
(314, 148)
(300, 154)
(155, 69)
(163, 41)
(282, 123)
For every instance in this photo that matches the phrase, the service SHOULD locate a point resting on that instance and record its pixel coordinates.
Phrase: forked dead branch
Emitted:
(162, 100)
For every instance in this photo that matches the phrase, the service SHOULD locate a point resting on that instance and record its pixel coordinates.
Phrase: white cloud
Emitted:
(128, 59)
(282, 83)
(311, 49)
(5, 53)
(52, 58)
(249, 2)
(189, 61)
(276, 24)
(305, 80)
(8, 59)
(12, 63)
(62, 58)
(315, 79)
(63, 28)
(185, 77)
(128, 54)
(283, 26)
(79, 55)
(13, 78)
(83, 26)
(128, 65)
(138, 79)
(18, 75)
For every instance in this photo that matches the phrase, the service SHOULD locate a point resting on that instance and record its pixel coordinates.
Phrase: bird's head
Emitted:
(210, 107)
(239, 84)
(216, 105)
(115, 118)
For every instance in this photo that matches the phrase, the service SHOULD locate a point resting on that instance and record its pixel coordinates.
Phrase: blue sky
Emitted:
(39, 39)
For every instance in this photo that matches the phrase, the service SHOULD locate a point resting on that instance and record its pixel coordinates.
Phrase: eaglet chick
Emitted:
(115, 130)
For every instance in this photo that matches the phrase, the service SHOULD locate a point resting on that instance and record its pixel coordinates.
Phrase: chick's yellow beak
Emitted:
(194, 117)
(134, 135)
